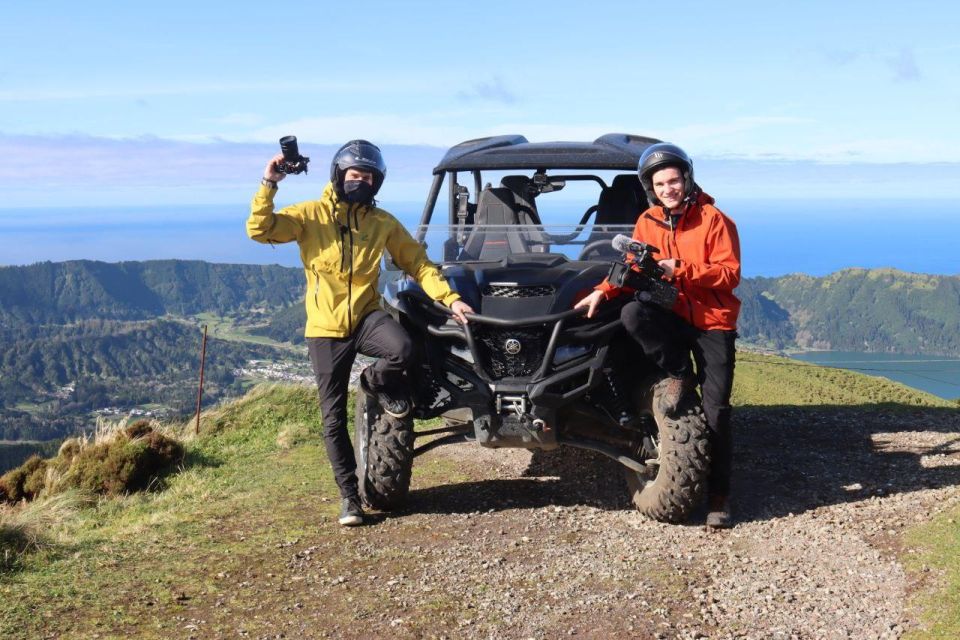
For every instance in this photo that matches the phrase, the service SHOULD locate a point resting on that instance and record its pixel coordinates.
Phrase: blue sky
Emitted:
(137, 103)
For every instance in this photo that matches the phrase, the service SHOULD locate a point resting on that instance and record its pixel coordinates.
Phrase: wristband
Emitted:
(268, 183)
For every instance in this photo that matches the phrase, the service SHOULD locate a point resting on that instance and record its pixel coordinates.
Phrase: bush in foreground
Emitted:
(114, 462)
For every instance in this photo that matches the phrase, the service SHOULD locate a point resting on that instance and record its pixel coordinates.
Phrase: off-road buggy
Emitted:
(528, 370)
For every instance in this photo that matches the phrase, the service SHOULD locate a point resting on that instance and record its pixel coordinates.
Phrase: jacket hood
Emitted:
(338, 206)
(705, 198)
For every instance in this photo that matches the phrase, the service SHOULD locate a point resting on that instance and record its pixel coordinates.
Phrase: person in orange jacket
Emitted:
(700, 255)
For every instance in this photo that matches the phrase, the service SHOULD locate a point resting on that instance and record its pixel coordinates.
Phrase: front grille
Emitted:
(492, 341)
(518, 291)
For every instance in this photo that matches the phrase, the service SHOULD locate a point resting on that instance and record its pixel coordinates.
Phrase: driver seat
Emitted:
(621, 203)
(496, 208)
(524, 194)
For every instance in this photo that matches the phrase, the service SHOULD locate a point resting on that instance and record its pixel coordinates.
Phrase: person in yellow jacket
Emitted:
(342, 237)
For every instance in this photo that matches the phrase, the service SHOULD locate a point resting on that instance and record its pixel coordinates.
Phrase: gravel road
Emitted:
(547, 546)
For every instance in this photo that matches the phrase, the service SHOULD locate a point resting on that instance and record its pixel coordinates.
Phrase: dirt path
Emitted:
(546, 546)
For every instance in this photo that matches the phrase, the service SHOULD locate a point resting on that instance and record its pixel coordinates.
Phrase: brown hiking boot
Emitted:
(718, 513)
(674, 389)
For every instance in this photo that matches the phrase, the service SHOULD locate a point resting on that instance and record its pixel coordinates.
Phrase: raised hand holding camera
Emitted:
(292, 162)
(271, 173)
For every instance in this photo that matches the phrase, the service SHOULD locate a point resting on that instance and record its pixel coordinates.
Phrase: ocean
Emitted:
(815, 237)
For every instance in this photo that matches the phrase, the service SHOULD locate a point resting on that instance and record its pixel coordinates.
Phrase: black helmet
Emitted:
(660, 156)
(357, 154)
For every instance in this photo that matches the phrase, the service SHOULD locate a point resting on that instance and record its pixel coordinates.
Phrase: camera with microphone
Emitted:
(641, 273)
(293, 162)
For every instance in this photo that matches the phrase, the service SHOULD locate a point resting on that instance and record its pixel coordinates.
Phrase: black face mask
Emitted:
(359, 191)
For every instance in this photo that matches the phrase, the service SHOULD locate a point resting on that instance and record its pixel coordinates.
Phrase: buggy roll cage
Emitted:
(613, 151)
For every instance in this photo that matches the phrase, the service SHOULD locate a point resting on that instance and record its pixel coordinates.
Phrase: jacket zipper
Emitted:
(316, 289)
(673, 234)
(350, 210)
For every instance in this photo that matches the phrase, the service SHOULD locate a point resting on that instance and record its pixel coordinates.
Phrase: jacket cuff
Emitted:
(450, 298)
(266, 192)
(609, 291)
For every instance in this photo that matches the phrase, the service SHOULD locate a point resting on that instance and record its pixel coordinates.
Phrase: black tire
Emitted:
(384, 451)
(675, 487)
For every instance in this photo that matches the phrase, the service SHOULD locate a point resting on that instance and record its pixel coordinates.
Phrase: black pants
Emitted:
(377, 335)
(668, 340)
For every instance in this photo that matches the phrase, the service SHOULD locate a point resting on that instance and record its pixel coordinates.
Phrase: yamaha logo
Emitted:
(512, 346)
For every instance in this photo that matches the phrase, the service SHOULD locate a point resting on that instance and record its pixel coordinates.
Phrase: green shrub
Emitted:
(125, 464)
(129, 461)
(34, 482)
(25, 481)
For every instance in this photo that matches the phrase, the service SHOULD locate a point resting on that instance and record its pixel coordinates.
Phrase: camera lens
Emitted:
(288, 145)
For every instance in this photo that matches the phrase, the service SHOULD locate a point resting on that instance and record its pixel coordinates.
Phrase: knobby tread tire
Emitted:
(681, 478)
(384, 451)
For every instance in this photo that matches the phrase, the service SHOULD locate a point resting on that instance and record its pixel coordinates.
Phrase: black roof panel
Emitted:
(611, 151)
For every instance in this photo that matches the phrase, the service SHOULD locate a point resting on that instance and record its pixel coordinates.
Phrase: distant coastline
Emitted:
(937, 375)
(777, 237)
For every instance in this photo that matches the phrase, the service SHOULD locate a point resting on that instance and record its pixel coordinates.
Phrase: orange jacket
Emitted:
(706, 243)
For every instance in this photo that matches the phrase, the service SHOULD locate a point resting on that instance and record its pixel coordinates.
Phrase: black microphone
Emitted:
(626, 244)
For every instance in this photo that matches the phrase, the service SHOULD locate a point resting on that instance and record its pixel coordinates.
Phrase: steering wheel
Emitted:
(593, 247)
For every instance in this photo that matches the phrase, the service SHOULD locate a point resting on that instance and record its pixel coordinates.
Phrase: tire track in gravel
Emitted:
(546, 545)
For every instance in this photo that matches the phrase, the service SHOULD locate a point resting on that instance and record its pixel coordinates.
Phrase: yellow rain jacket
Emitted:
(341, 245)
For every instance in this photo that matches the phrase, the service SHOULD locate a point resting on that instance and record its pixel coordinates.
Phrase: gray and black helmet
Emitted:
(660, 156)
(357, 154)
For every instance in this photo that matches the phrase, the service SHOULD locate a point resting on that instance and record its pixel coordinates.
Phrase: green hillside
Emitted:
(254, 487)
(65, 292)
(80, 336)
(850, 310)
(854, 310)
(49, 384)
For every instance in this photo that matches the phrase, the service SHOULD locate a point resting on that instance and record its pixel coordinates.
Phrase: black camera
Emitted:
(641, 273)
(292, 162)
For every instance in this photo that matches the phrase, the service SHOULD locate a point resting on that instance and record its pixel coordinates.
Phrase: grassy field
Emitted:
(227, 329)
(937, 561)
(257, 478)
(763, 380)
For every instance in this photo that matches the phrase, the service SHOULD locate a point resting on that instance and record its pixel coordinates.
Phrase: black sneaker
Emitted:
(351, 513)
(393, 403)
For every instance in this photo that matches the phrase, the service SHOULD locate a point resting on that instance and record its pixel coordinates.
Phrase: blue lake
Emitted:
(933, 374)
